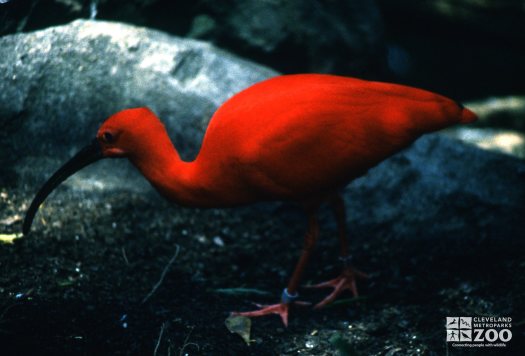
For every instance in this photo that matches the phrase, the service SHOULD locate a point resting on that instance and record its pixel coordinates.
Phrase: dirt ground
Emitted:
(77, 284)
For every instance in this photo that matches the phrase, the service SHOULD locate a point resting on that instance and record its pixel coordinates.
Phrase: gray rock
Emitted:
(504, 141)
(500, 128)
(441, 188)
(58, 85)
(507, 112)
(293, 35)
(320, 36)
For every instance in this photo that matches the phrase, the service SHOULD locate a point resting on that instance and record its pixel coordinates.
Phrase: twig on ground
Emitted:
(159, 339)
(156, 286)
(186, 343)
(125, 256)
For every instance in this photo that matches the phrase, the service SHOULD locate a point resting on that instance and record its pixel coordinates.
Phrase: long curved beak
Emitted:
(84, 157)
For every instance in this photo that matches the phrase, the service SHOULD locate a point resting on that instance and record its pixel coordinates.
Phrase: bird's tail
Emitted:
(467, 115)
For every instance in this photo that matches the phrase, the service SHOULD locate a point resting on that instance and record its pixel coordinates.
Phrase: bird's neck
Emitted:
(161, 165)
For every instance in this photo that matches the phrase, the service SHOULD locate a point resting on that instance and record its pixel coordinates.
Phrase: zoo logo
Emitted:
(478, 331)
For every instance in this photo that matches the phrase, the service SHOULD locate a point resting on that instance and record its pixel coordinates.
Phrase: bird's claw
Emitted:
(347, 280)
(280, 309)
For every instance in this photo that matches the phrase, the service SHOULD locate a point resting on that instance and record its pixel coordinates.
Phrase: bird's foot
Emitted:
(347, 280)
(280, 309)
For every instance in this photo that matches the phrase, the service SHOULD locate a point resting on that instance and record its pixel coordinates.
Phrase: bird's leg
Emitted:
(290, 294)
(310, 240)
(347, 279)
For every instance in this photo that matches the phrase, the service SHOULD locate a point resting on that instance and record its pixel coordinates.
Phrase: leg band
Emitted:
(287, 297)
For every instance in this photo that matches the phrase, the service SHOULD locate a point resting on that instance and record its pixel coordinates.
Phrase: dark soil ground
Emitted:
(76, 284)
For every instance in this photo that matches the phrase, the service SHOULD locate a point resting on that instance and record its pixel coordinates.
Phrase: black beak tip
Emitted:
(84, 157)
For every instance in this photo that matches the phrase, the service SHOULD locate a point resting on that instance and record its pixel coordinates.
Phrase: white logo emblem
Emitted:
(467, 331)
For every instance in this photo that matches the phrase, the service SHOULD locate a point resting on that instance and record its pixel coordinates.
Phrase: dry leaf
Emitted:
(240, 325)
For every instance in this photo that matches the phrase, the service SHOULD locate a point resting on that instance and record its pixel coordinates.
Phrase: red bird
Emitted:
(299, 138)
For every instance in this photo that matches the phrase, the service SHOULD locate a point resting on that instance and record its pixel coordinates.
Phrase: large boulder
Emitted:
(291, 35)
(443, 189)
(322, 36)
(501, 125)
(58, 85)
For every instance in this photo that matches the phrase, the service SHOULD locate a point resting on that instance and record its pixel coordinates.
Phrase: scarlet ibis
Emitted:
(299, 138)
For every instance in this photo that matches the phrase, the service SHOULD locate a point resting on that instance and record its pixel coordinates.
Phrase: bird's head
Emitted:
(118, 136)
(122, 133)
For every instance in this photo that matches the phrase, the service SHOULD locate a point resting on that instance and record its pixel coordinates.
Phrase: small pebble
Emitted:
(218, 241)
(201, 238)
(311, 342)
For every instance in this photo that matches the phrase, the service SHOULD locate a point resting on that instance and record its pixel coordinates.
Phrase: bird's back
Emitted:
(298, 136)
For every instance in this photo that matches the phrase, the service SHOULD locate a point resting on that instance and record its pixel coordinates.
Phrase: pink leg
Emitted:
(347, 279)
(290, 293)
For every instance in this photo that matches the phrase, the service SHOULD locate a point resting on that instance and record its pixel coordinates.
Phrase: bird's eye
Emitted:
(108, 137)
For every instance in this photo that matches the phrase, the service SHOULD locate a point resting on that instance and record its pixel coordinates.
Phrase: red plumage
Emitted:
(297, 137)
